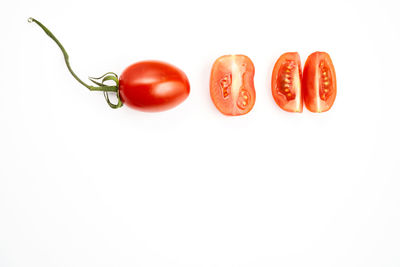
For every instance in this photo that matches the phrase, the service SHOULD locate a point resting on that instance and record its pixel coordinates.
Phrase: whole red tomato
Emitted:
(153, 86)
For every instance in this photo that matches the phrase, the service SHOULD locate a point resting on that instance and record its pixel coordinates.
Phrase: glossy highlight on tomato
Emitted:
(153, 86)
(286, 82)
(232, 86)
(319, 82)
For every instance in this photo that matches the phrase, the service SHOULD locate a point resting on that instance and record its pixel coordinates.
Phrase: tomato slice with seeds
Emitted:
(232, 86)
(286, 82)
(319, 82)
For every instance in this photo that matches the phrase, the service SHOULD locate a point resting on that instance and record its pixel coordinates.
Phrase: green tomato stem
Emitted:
(101, 86)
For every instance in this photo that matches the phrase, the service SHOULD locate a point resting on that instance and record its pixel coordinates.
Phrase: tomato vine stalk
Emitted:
(109, 76)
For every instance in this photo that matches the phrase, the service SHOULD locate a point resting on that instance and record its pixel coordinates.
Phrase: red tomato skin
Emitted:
(314, 100)
(294, 104)
(222, 72)
(153, 86)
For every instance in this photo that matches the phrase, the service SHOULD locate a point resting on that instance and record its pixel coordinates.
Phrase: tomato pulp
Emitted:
(232, 86)
(319, 82)
(286, 82)
(153, 86)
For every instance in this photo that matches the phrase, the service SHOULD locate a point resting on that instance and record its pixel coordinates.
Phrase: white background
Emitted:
(84, 185)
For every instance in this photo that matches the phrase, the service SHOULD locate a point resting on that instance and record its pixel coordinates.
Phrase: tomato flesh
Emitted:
(153, 86)
(319, 82)
(286, 82)
(232, 85)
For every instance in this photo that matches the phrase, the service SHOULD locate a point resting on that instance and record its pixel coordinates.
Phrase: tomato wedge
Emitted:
(232, 86)
(286, 82)
(319, 82)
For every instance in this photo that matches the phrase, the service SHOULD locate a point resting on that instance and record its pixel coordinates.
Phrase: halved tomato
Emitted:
(286, 82)
(232, 85)
(319, 82)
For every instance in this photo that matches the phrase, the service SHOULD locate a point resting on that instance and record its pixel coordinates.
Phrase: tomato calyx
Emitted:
(100, 82)
(109, 76)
